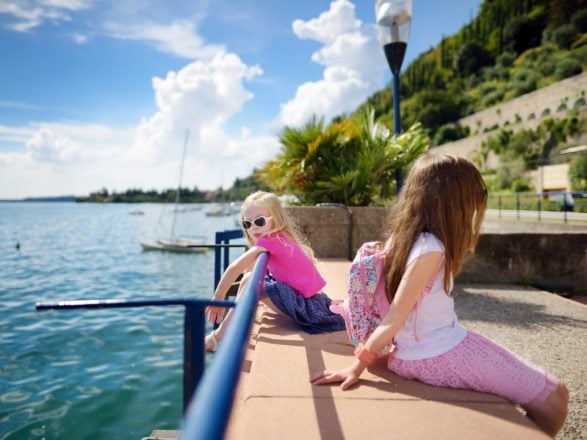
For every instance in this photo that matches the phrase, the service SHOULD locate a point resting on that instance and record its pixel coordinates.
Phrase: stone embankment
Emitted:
(523, 112)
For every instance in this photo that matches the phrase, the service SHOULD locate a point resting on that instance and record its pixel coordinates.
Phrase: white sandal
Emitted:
(214, 346)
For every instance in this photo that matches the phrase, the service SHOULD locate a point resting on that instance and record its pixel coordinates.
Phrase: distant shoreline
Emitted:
(42, 199)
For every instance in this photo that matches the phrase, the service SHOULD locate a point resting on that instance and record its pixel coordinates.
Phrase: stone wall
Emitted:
(338, 231)
(550, 260)
(533, 106)
(542, 258)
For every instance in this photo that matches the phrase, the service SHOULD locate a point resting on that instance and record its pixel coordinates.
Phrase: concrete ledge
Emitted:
(279, 401)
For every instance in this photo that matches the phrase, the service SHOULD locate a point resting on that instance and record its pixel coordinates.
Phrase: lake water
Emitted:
(94, 374)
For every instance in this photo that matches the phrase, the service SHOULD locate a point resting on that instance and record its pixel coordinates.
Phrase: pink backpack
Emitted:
(367, 303)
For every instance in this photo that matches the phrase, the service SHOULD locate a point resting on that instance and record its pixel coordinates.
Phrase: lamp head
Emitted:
(393, 18)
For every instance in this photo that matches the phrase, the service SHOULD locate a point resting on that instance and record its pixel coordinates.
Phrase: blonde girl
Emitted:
(436, 221)
(293, 285)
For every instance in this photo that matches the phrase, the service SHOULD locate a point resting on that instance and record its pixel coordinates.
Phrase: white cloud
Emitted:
(338, 20)
(29, 14)
(200, 97)
(79, 38)
(77, 156)
(179, 37)
(354, 66)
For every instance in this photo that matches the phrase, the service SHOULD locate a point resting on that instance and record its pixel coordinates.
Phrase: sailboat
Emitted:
(174, 244)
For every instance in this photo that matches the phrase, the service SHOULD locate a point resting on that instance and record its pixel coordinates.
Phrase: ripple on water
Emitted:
(76, 374)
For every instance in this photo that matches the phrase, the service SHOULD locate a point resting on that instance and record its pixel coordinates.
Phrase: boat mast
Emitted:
(185, 145)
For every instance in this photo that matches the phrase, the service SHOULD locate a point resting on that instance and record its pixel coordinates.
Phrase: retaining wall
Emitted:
(557, 259)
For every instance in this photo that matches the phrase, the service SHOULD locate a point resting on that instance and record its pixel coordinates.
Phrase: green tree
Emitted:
(434, 108)
(525, 31)
(471, 59)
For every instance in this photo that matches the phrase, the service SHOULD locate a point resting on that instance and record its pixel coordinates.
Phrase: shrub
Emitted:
(519, 185)
(492, 98)
(509, 171)
(471, 58)
(566, 68)
(547, 68)
(578, 172)
(565, 35)
(524, 81)
(506, 59)
(450, 132)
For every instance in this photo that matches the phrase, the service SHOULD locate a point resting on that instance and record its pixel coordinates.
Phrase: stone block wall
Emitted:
(532, 106)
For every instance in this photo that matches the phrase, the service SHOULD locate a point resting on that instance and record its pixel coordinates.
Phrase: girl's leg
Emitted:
(214, 337)
(480, 364)
(550, 414)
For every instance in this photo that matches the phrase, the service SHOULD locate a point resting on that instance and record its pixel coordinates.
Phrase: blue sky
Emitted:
(99, 93)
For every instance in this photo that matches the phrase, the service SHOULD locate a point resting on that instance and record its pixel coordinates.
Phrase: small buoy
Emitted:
(17, 245)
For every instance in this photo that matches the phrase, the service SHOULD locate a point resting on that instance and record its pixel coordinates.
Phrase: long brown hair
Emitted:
(281, 221)
(446, 196)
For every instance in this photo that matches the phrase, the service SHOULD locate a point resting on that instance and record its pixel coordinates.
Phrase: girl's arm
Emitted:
(243, 263)
(413, 282)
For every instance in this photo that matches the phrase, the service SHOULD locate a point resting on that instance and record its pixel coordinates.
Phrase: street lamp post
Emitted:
(393, 19)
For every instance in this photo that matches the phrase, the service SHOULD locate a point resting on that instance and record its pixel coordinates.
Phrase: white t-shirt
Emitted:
(432, 327)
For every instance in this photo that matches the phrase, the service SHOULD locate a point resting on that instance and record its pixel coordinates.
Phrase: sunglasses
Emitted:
(258, 221)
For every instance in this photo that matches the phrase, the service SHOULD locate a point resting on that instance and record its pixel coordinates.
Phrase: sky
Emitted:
(101, 93)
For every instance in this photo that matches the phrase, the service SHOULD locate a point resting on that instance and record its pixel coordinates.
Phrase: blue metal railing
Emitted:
(194, 319)
(194, 330)
(208, 413)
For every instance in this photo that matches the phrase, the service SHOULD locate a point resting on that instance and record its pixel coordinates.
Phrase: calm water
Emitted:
(94, 374)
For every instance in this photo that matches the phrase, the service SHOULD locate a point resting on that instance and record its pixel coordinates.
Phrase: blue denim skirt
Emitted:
(313, 314)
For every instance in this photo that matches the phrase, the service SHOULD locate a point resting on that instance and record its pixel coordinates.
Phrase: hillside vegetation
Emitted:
(509, 49)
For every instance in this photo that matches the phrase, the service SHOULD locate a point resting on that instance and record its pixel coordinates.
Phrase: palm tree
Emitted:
(351, 161)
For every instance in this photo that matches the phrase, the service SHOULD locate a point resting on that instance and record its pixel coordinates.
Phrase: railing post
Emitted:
(208, 415)
(223, 237)
(518, 206)
(499, 204)
(193, 351)
(539, 206)
(217, 260)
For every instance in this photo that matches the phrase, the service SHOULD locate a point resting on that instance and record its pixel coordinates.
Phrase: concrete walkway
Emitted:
(276, 401)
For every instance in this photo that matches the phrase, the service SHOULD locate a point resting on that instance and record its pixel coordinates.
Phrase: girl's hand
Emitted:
(214, 314)
(348, 377)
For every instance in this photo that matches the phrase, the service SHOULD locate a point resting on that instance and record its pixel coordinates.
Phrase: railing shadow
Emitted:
(277, 330)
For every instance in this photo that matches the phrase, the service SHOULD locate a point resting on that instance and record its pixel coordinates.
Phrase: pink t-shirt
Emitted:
(289, 264)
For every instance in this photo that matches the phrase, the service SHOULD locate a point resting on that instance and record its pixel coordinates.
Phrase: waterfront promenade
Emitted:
(275, 400)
